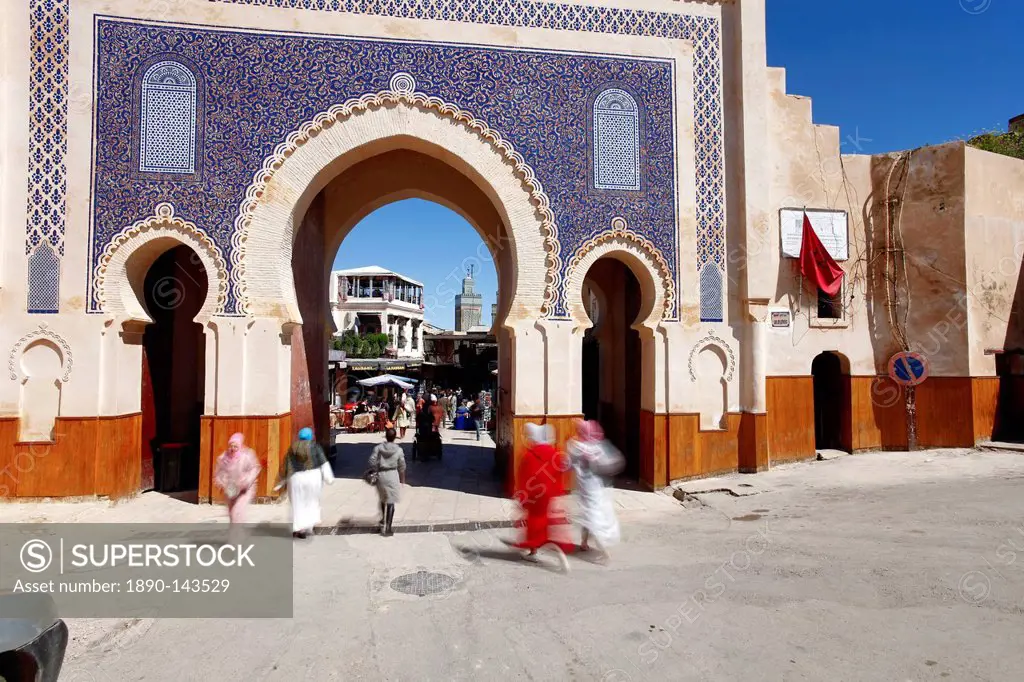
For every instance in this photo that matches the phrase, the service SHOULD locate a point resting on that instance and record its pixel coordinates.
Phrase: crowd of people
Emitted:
(539, 480)
(402, 410)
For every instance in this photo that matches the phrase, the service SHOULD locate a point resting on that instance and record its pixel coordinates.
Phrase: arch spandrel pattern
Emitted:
(532, 97)
(114, 290)
(402, 93)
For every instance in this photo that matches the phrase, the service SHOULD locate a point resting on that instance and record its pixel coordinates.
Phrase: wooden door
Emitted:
(148, 424)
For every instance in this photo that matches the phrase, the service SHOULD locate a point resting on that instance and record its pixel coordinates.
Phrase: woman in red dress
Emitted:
(538, 483)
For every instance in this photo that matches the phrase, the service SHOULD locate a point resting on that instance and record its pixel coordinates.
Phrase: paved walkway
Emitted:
(458, 492)
(882, 566)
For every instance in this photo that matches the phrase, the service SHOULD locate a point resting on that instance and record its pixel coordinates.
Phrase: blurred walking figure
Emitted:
(538, 483)
(304, 470)
(401, 417)
(436, 414)
(409, 404)
(594, 460)
(453, 403)
(236, 474)
(387, 461)
(476, 413)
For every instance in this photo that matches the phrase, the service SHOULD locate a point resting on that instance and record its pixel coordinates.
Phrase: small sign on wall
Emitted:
(781, 319)
(830, 226)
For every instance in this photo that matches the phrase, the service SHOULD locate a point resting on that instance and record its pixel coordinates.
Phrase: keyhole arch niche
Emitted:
(712, 388)
(41, 373)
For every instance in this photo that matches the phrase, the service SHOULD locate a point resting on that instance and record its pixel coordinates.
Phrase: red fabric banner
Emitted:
(816, 264)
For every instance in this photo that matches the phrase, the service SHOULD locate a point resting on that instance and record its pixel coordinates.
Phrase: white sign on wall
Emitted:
(830, 226)
(780, 320)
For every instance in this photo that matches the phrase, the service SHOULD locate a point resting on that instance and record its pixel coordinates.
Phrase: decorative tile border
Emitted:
(47, 147)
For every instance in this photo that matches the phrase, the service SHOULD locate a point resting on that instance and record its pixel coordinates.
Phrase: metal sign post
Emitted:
(909, 370)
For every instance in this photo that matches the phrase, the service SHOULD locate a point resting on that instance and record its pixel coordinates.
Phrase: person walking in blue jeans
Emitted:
(477, 413)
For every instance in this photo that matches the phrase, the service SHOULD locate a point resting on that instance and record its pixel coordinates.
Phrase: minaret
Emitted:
(468, 305)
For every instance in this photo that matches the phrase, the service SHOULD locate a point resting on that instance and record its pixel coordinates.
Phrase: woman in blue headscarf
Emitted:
(304, 470)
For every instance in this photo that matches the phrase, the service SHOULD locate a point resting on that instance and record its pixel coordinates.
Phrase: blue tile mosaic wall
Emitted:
(257, 88)
(703, 31)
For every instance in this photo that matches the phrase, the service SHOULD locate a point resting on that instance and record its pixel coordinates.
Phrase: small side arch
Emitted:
(128, 257)
(642, 258)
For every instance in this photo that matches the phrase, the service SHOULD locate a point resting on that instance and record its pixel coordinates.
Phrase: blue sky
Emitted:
(902, 73)
(429, 243)
(892, 74)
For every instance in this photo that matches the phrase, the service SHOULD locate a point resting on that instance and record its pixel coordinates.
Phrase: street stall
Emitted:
(376, 417)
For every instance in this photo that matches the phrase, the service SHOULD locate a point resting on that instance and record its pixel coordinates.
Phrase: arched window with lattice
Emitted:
(616, 126)
(167, 129)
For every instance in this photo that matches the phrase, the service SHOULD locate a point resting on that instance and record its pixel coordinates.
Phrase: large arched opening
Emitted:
(349, 161)
(346, 200)
(332, 181)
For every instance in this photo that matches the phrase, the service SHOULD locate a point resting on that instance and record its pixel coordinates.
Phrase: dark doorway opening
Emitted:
(1009, 422)
(612, 363)
(831, 402)
(173, 372)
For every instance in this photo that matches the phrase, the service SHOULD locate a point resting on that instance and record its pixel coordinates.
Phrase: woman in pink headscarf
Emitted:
(594, 460)
(237, 471)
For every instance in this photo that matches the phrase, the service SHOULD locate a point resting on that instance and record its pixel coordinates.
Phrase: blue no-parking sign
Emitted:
(908, 368)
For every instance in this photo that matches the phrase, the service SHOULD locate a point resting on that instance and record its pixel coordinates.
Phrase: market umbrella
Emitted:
(385, 380)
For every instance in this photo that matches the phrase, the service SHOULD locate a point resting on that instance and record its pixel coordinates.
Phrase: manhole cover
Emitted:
(423, 583)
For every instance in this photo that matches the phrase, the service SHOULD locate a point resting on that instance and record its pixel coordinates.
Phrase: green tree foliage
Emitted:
(1007, 144)
(356, 346)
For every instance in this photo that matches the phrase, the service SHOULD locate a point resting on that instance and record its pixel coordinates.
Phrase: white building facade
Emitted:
(373, 300)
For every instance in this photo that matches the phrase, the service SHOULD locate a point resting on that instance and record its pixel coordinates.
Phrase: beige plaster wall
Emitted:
(994, 235)
(809, 171)
(932, 226)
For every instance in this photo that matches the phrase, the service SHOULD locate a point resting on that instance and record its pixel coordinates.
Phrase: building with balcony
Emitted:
(373, 300)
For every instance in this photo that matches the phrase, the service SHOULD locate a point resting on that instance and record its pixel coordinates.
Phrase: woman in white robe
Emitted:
(593, 459)
(304, 470)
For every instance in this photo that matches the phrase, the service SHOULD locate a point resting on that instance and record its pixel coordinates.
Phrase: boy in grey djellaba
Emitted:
(388, 461)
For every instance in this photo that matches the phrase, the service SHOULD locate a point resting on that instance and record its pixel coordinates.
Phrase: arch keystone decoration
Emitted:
(114, 291)
(401, 93)
(43, 332)
(620, 238)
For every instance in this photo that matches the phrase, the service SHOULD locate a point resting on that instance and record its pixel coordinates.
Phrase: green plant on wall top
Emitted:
(356, 346)
(1008, 144)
